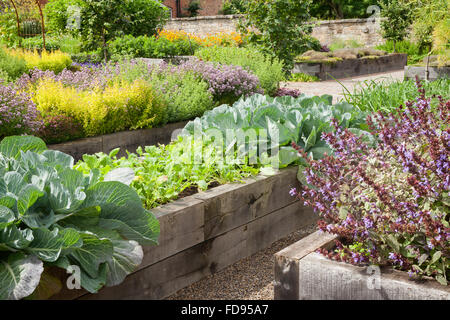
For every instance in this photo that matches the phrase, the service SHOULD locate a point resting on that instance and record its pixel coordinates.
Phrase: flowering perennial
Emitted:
(389, 204)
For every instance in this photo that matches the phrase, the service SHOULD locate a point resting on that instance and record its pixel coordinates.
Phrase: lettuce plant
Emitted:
(389, 204)
(52, 216)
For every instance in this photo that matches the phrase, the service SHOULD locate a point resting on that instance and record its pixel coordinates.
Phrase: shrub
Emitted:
(279, 28)
(390, 204)
(386, 96)
(57, 15)
(186, 94)
(398, 19)
(63, 43)
(269, 71)
(226, 83)
(60, 128)
(151, 47)
(55, 217)
(115, 108)
(415, 53)
(8, 27)
(55, 61)
(14, 66)
(18, 114)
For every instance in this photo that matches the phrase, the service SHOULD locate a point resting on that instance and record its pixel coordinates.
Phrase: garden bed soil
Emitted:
(208, 231)
(303, 274)
(434, 72)
(348, 68)
(125, 140)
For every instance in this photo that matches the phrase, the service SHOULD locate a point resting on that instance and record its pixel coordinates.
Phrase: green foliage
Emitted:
(387, 96)
(163, 173)
(104, 20)
(57, 15)
(65, 43)
(345, 44)
(13, 66)
(414, 51)
(150, 47)
(4, 77)
(54, 216)
(232, 7)
(340, 9)
(186, 95)
(269, 71)
(428, 14)
(194, 8)
(278, 28)
(8, 28)
(397, 20)
(280, 121)
(303, 77)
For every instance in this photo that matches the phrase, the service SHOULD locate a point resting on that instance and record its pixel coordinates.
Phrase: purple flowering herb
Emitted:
(394, 195)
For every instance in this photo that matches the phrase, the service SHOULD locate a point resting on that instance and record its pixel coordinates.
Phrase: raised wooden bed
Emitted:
(206, 232)
(303, 274)
(352, 67)
(125, 140)
(434, 73)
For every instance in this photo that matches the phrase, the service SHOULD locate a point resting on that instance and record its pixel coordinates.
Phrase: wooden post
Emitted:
(42, 22)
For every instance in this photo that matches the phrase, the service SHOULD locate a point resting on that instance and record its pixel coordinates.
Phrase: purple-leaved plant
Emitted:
(390, 203)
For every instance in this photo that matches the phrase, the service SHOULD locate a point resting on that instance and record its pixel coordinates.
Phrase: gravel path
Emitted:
(335, 88)
(249, 279)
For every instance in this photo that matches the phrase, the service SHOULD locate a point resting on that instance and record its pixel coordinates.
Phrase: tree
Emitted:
(102, 20)
(398, 19)
(340, 9)
(280, 28)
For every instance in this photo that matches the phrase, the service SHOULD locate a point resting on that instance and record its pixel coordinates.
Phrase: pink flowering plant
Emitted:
(18, 114)
(386, 194)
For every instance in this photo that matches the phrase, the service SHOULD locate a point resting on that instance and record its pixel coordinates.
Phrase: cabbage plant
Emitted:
(283, 120)
(52, 216)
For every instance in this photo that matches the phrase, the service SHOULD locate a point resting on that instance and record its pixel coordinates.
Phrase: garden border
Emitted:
(434, 73)
(303, 274)
(206, 232)
(125, 140)
(352, 67)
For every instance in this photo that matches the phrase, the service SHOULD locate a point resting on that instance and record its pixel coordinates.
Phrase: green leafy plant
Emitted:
(414, 51)
(52, 216)
(194, 8)
(386, 96)
(340, 9)
(164, 173)
(269, 71)
(303, 77)
(280, 121)
(12, 65)
(279, 28)
(398, 19)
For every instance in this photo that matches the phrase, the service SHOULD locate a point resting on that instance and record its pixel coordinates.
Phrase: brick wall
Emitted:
(209, 7)
(362, 30)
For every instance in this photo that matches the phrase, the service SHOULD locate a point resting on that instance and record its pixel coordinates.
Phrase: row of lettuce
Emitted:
(59, 103)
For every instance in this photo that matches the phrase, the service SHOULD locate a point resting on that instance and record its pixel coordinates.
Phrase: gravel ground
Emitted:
(249, 279)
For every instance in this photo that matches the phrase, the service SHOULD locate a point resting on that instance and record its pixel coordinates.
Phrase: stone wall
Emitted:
(365, 31)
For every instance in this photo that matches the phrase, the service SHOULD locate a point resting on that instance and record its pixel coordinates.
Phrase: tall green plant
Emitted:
(398, 18)
(279, 28)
